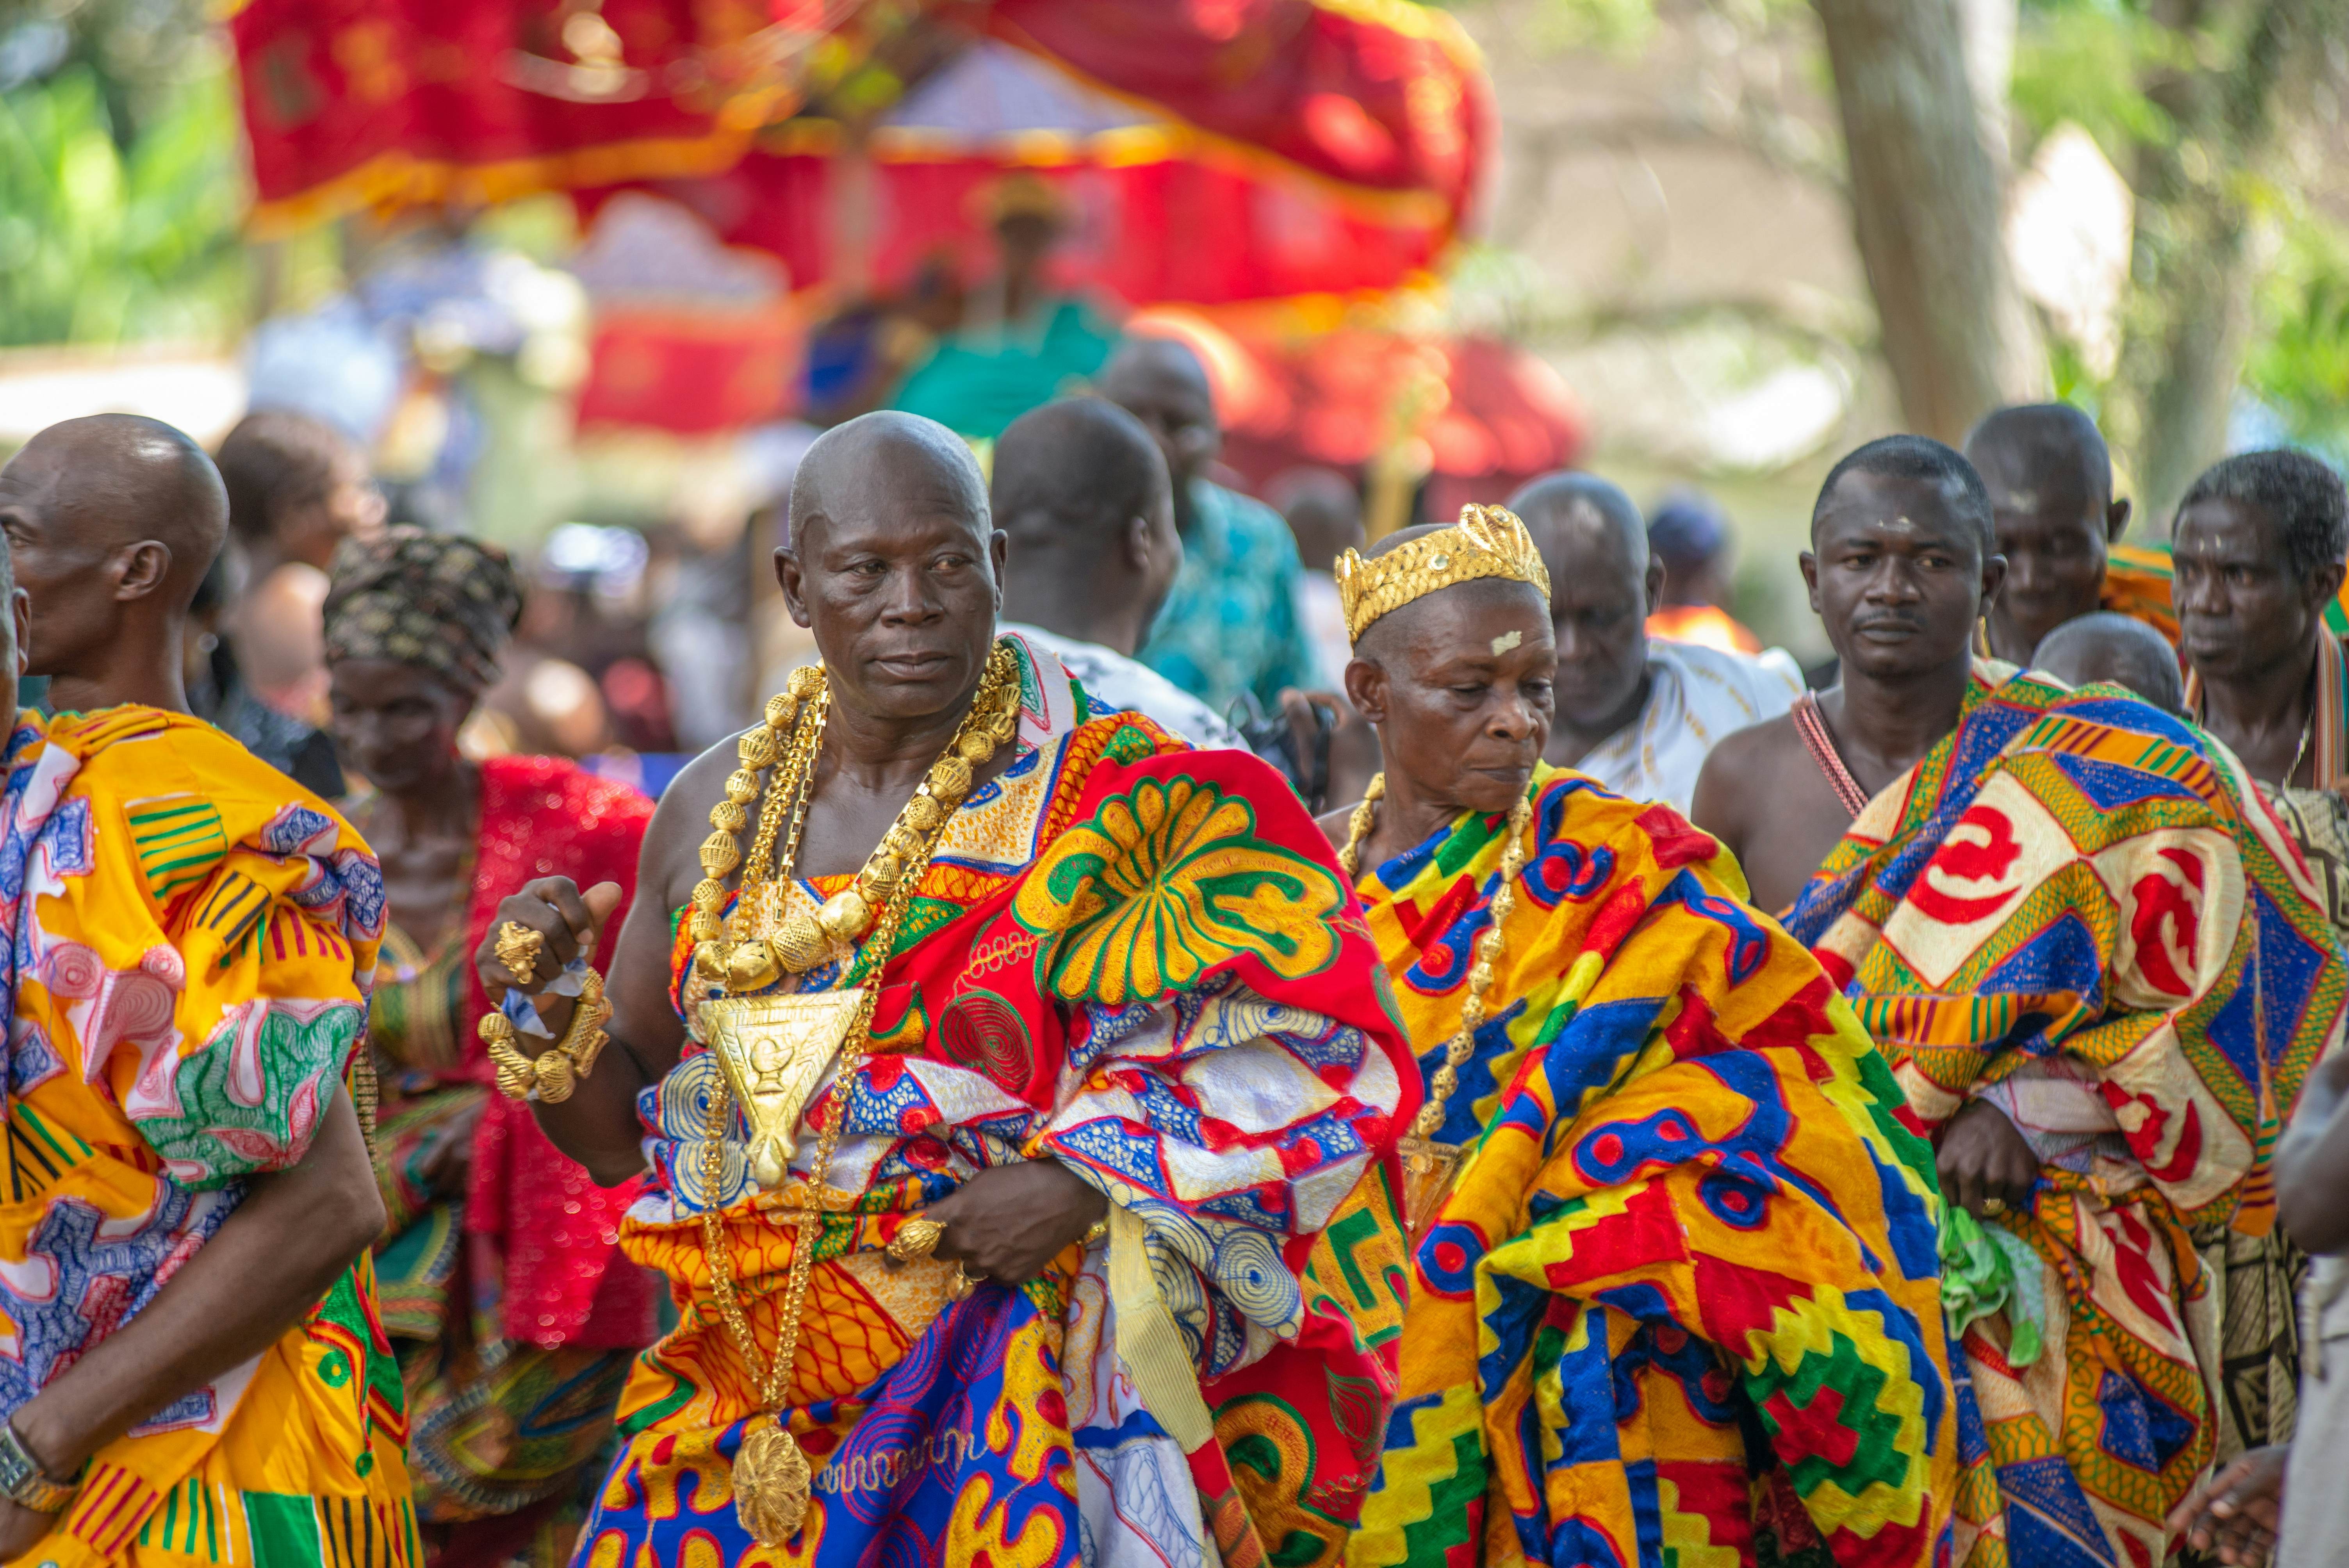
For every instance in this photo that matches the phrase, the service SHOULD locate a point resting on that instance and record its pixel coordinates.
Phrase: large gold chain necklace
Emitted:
(1429, 1166)
(772, 1049)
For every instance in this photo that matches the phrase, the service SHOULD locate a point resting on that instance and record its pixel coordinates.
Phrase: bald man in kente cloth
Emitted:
(2098, 970)
(1672, 1298)
(1639, 713)
(1016, 1094)
(191, 1365)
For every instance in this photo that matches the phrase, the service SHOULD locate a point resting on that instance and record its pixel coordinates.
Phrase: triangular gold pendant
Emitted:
(774, 1050)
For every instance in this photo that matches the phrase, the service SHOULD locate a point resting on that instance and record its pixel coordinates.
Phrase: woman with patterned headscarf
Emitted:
(515, 1316)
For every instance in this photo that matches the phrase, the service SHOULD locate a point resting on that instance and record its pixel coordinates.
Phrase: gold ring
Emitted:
(916, 1240)
(1993, 1205)
(518, 950)
(959, 1288)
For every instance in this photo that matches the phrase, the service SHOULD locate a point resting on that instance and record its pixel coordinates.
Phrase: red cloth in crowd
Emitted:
(566, 1282)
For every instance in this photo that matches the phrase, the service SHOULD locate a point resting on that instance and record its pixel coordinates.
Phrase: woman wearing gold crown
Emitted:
(1018, 1099)
(1674, 1288)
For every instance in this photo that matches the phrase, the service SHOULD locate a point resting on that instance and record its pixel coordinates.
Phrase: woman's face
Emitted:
(396, 724)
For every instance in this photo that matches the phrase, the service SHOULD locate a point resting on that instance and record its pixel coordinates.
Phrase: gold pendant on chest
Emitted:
(774, 1050)
(772, 1483)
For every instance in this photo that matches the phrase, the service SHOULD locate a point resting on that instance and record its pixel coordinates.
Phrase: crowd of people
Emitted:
(1590, 1098)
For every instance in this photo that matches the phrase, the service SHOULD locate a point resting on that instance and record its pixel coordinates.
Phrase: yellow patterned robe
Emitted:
(1681, 1306)
(189, 936)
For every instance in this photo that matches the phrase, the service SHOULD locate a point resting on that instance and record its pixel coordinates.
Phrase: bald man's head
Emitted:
(1162, 383)
(2125, 652)
(902, 456)
(1603, 584)
(1080, 491)
(113, 520)
(894, 564)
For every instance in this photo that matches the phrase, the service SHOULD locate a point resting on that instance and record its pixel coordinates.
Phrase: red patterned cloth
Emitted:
(558, 1230)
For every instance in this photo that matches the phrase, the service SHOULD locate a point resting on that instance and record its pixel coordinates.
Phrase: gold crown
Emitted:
(1488, 541)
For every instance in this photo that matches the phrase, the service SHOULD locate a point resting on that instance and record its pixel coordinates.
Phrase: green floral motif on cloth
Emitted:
(254, 1090)
(1166, 882)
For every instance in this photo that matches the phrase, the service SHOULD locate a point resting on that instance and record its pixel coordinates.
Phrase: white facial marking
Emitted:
(1507, 639)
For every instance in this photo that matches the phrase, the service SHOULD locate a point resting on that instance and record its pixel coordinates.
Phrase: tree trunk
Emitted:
(2200, 237)
(1926, 209)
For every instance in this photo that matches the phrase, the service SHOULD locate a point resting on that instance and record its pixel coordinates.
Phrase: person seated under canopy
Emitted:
(1674, 1294)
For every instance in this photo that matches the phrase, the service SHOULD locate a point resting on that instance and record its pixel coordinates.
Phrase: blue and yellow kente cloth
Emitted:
(2077, 908)
(1681, 1305)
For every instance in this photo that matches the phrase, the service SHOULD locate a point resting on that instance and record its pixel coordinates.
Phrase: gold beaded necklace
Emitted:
(772, 1049)
(1429, 1166)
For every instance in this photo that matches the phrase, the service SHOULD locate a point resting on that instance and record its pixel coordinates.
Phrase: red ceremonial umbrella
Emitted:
(1226, 149)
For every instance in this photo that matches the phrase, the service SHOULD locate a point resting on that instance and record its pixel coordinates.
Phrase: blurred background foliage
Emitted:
(121, 177)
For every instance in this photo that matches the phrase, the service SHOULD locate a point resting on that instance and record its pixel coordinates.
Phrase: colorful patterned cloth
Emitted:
(2136, 584)
(1681, 1305)
(186, 940)
(414, 597)
(2077, 907)
(1139, 959)
(516, 1319)
(1229, 624)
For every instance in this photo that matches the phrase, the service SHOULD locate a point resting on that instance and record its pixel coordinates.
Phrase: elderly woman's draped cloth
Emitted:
(2077, 907)
(1680, 1304)
(186, 940)
(1139, 959)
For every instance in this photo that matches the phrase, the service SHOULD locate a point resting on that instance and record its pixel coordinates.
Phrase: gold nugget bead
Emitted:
(759, 747)
(799, 944)
(804, 682)
(922, 813)
(709, 961)
(729, 817)
(741, 786)
(555, 1077)
(845, 916)
(976, 748)
(951, 777)
(720, 853)
(1480, 975)
(883, 871)
(750, 966)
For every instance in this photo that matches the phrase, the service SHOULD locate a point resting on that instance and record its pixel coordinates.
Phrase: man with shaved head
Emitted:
(194, 1362)
(1019, 1104)
(2117, 650)
(2058, 913)
(1080, 491)
(1230, 624)
(1606, 1027)
(2058, 520)
(1637, 714)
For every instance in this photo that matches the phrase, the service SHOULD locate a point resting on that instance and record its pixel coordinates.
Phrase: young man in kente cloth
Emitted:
(2100, 973)
(1018, 1095)
(192, 1366)
(1674, 1294)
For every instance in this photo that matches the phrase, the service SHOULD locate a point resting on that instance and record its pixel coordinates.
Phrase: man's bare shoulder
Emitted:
(681, 821)
(1766, 741)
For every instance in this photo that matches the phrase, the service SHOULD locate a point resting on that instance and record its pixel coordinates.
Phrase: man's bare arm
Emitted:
(1722, 785)
(269, 1264)
(2312, 1162)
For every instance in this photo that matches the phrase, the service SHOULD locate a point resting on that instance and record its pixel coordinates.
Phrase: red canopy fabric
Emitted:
(1491, 414)
(1293, 146)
